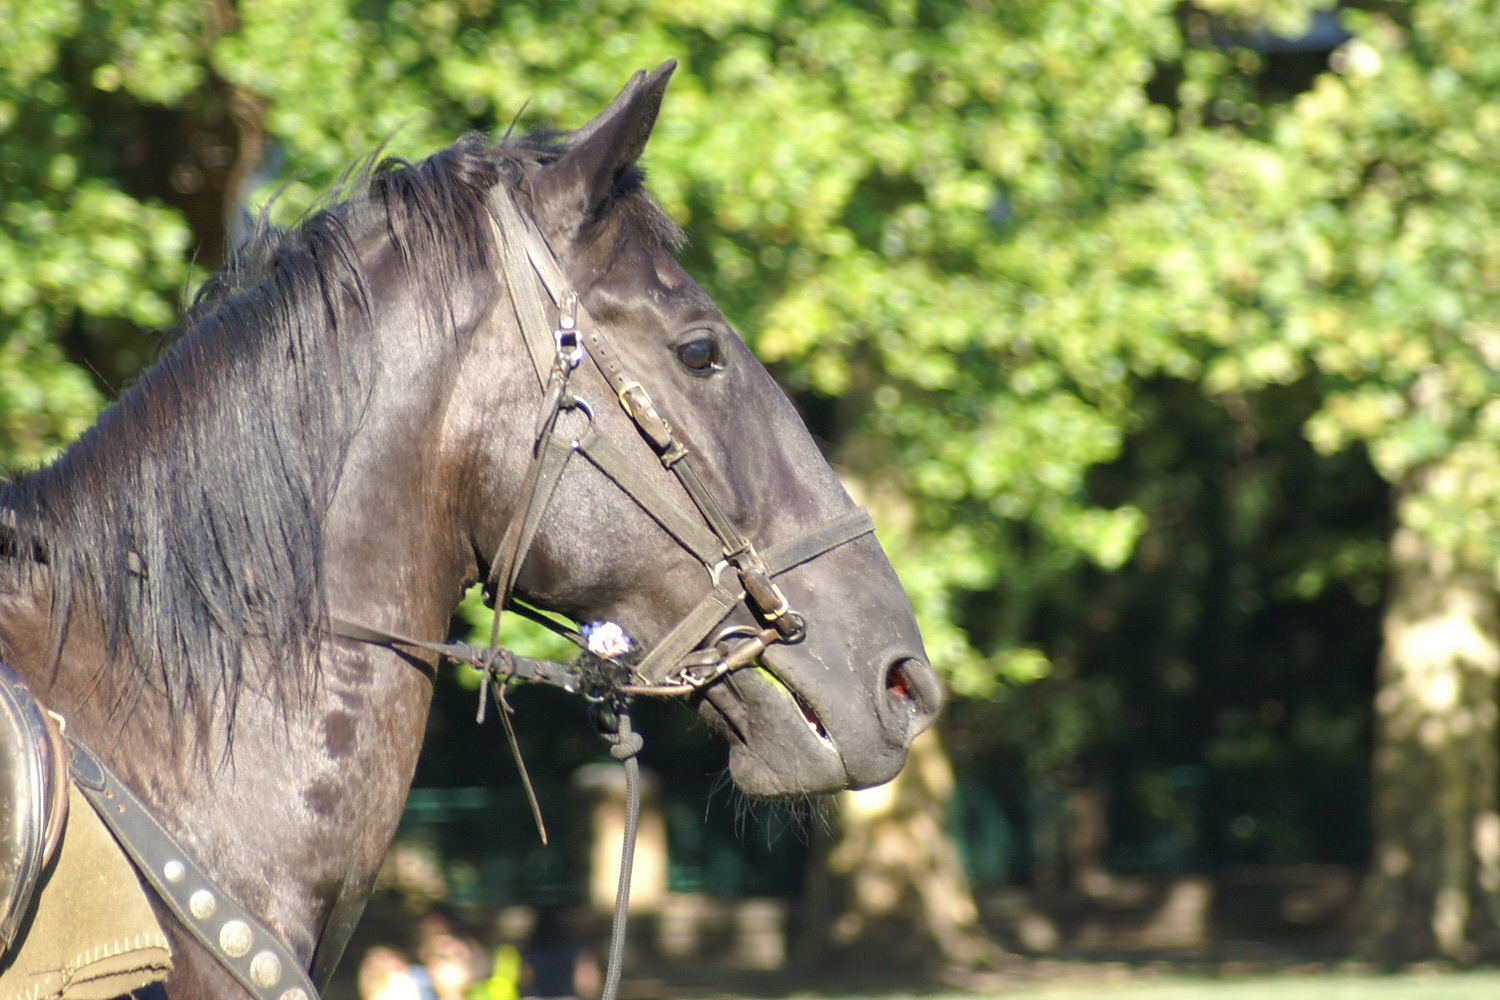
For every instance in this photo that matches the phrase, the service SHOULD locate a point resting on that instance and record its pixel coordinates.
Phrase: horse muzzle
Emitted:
(836, 710)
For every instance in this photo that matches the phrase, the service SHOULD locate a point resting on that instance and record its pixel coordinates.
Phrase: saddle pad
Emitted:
(91, 934)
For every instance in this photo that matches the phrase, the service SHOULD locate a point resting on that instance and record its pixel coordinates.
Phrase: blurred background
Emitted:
(1161, 338)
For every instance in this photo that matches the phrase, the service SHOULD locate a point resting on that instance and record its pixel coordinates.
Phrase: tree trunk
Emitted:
(886, 892)
(1434, 886)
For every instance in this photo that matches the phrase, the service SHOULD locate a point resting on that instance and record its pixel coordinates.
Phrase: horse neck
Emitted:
(307, 760)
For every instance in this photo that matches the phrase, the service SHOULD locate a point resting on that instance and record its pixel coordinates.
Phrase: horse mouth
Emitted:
(779, 743)
(809, 714)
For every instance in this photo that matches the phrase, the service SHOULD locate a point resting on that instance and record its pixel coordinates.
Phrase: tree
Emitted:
(1434, 886)
(975, 239)
(888, 889)
(1357, 244)
(839, 167)
(1346, 236)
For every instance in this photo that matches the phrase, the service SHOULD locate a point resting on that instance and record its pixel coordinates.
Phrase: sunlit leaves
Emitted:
(965, 221)
(898, 203)
(97, 253)
(44, 401)
(1391, 193)
(29, 34)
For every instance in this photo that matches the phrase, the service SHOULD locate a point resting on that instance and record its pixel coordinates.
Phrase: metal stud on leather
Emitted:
(251, 952)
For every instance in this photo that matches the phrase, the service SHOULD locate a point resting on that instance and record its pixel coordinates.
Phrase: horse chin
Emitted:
(780, 747)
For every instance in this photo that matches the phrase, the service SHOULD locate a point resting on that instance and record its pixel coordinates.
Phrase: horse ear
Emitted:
(570, 193)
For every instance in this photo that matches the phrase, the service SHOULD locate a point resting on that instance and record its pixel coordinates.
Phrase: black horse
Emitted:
(347, 427)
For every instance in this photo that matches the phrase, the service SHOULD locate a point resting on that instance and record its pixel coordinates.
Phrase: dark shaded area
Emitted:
(1211, 695)
(469, 801)
(194, 156)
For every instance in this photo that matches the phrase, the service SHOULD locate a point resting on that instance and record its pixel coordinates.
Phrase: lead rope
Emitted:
(603, 683)
(624, 745)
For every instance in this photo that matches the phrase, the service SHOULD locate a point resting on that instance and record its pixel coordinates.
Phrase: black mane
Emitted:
(190, 518)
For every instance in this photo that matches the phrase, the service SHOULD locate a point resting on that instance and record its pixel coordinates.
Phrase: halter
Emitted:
(681, 661)
(685, 659)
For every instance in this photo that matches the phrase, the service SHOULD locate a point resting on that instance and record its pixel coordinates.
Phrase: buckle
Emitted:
(569, 346)
(702, 667)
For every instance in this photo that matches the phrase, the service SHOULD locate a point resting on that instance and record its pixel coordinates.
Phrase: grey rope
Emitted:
(624, 745)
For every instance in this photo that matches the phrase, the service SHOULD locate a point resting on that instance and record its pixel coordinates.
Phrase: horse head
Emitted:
(842, 684)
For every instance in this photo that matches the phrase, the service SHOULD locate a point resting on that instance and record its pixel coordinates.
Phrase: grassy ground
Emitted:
(1107, 980)
(1330, 986)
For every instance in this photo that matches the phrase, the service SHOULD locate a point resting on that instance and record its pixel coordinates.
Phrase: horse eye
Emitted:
(701, 355)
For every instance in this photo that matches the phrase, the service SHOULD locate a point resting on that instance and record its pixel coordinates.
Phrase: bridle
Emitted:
(559, 334)
(676, 662)
(681, 661)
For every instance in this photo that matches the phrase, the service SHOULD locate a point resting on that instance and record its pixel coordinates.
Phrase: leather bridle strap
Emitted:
(810, 544)
(489, 659)
(549, 460)
(249, 950)
(667, 662)
(691, 534)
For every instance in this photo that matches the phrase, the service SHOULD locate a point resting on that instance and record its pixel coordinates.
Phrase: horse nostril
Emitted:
(895, 680)
(912, 699)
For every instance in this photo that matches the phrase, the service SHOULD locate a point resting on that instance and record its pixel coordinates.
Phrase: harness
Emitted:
(685, 659)
(558, 334)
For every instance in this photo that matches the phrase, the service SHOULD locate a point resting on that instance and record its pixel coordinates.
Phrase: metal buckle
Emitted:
(768, 597)
(688, 670)
(629, 387)
(575, 403)
(689, 676)
(569, 345)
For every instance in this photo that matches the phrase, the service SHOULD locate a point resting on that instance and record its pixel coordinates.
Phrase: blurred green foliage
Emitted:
(1009, 257)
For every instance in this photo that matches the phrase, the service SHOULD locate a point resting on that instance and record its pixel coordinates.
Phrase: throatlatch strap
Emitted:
(542, 478)
(251, 952)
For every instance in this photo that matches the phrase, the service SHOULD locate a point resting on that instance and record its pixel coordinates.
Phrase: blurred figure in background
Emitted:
(557, 966)
(385, 975)
(504, 982)
(453, 960)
